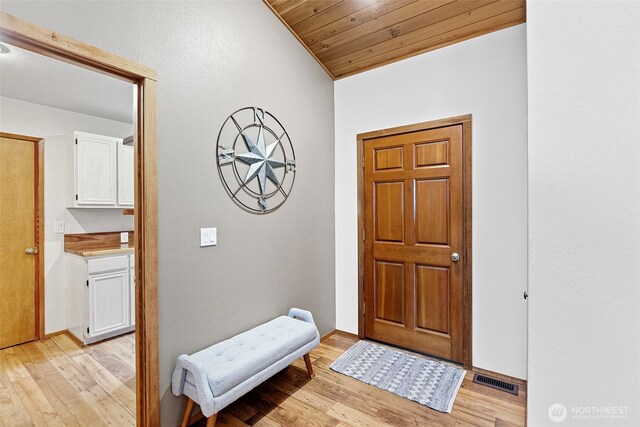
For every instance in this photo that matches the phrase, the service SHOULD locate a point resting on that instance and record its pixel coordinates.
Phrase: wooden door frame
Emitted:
(39, 226)
(465, 121)
(31, 37)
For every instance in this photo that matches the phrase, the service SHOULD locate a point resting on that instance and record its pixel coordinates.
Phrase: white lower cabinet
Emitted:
(100, 293)
(132, 280)
(108, 302)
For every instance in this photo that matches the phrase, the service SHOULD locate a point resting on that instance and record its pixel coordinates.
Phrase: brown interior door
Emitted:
(18, 235)
(413, 219)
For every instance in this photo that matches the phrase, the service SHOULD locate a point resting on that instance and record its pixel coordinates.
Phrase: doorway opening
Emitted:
(142, 265)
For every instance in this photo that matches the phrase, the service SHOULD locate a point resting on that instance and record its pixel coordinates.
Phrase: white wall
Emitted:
(584, 209)
(486, 77)
(25, 118)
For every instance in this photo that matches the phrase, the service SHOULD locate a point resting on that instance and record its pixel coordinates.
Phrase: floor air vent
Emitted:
(495, 383)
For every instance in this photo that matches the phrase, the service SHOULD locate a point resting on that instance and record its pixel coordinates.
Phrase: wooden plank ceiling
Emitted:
(351, 36)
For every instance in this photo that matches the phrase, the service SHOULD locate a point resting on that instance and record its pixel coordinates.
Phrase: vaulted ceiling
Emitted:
(351, 36)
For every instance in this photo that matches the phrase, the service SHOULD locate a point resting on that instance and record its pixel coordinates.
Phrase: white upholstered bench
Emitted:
(220, 374)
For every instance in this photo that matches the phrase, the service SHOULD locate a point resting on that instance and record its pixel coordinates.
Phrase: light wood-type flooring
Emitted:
(55, 382)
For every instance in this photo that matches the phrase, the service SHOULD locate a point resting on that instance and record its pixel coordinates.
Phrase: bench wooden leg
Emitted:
(307, 361)
(187, 412)
(211, 421)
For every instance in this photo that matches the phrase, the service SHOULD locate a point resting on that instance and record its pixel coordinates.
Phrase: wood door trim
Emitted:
(39, 225)
(465, 121)
(40, 241)
(31, 37)
(20, 137)
(26, 35)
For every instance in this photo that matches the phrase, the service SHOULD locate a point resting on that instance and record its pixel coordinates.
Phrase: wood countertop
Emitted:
(125, 248)
(97, 244)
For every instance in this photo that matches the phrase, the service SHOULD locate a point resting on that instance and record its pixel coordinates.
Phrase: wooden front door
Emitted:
(18, 241)
(414, 240)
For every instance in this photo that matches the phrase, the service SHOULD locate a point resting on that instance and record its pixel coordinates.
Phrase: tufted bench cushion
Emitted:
(230, 362)
(220, 374)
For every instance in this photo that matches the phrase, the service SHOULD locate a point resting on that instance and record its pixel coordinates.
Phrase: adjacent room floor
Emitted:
(56, 382)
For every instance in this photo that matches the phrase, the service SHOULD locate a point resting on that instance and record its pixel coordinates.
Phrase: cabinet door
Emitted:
(108, 302)
(132, 280)
(96, 170)
(125, 175)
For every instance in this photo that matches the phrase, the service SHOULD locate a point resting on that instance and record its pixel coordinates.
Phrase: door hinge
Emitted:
(363, 162)
(87, 283)
(87, 329)
(363, 235)
(76, 197)
(76, 141)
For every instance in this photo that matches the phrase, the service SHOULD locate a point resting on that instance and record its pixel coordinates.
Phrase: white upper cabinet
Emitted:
(96, 170)
(100, 172)
(125, 175)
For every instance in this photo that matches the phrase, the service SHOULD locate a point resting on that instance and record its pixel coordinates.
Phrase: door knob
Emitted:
(455, 257)
(31, 251)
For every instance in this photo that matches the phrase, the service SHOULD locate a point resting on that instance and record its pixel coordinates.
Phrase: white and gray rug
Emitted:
(428, 382)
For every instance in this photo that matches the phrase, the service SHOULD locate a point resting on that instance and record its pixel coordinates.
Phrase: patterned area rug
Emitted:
(425, 381)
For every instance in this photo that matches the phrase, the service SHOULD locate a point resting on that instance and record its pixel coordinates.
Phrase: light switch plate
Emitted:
(208, 237)
(58, 227)
(124, 237)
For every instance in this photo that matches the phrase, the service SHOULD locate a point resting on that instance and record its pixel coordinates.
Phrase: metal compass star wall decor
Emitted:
(258, 164)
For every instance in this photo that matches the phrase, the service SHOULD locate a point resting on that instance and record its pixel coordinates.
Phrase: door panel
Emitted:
(432, 211)
(413, 219)
(389, 158)
(108, 302)
(389, 291)
(97, 170)
(431, 154)
(389, 206)
(432, 298)
(132, 295)
(125, 174)
(17, 232)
